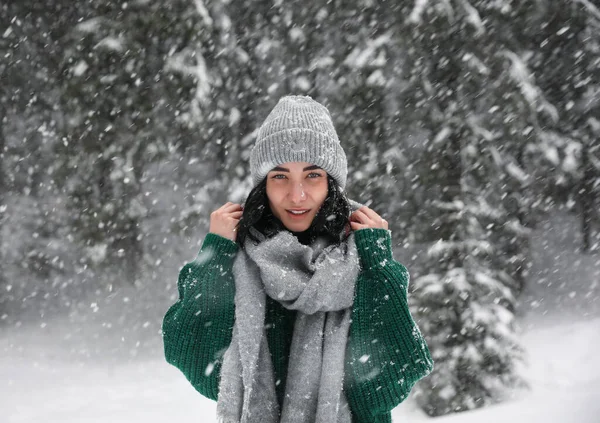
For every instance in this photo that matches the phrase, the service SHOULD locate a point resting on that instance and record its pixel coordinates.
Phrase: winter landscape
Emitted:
(68, 371)
(472, 126)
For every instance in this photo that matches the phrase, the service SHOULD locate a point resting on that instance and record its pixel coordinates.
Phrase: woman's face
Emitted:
(297, 186)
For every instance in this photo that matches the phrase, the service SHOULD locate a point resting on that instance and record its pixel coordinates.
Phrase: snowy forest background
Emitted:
(472, 126)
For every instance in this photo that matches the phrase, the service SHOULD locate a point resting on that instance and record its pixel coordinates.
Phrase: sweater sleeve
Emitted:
(386, 353)
(197, 329)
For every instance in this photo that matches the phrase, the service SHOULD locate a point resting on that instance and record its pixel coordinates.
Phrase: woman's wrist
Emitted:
(374, 246)
(220, 242)
(217, 247)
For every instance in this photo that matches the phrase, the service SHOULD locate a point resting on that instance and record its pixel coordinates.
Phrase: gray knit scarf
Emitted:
(316, 280)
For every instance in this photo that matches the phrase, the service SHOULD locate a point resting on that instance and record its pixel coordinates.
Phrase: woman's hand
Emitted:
(224, 220)
(364, 218)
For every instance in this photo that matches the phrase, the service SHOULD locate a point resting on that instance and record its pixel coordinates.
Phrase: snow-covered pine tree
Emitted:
(5, 46)
(121, 109)
(467, 297)
(565, 40)
(488, 85)
(33, 262)
(464, 303)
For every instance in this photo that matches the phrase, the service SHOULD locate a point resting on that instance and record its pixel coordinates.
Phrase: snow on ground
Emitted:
(564, 375)
(37, 384)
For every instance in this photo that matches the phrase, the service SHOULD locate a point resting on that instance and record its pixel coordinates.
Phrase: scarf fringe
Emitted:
(223, 419)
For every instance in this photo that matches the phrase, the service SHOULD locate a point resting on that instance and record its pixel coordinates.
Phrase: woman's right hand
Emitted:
(224, 220)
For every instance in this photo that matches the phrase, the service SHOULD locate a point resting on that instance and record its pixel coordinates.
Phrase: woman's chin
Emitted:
(295, 227)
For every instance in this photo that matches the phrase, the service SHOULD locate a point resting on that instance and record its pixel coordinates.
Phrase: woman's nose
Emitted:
(297, 194)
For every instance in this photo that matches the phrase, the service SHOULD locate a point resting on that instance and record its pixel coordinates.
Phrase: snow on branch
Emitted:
(532, 93)
(594, 124)
(514, 170)
(592, 9)
(472, 247)
(111, 44)
(476, 63)
(462, 280)
(473, 16)
(192, 64)
(441, 247)
(493, 285)
(90, 26)
(496, 156)
(474, 124)
(455, 205)
(515, 227)
(476, 246)
(442, 135)
(362, 57)
(415, 15)
(483, 209)
(203, 12)
(561, 150)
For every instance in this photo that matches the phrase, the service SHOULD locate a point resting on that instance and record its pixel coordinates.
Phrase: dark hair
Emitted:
(329, 222)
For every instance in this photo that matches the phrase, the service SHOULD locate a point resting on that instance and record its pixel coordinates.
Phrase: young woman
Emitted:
(295, 309)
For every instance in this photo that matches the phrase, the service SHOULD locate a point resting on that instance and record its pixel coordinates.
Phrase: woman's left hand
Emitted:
(364, 218)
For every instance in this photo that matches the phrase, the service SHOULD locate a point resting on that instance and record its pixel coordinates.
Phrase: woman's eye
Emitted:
(312, 175)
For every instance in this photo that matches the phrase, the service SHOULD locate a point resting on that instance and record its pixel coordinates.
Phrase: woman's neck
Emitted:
(273, 225)
(304, 237)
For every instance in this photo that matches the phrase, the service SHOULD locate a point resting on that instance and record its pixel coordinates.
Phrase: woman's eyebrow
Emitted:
(283, 169)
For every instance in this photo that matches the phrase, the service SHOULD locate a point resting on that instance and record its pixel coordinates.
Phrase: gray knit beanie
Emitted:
(298, 129)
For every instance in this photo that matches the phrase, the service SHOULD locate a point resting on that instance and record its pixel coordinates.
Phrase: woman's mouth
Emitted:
(297, 214)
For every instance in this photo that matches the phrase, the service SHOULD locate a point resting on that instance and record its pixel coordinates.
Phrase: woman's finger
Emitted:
(361, 216)
(366, 218)
(355, 226)
(370, 213)
(231, 206)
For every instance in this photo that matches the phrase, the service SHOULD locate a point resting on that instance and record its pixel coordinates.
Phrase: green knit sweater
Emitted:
(386, 353)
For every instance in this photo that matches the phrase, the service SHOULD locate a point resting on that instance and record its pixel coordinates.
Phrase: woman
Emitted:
(294, 309)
